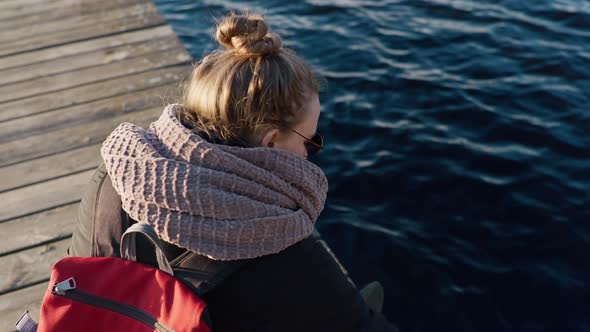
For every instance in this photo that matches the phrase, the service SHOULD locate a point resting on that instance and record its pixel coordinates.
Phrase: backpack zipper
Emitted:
(67, 289)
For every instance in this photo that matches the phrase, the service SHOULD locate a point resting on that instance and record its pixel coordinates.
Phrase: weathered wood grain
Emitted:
(106, 27)
(30, 266)
(14, 304)
(76, 115)
(85, 46)
(47, 226)
(49, 28)
(14, 6)
(18, 8)
(42, 196)
(47, 168)
(56, 10)
(70, 138)
(70, 72)
(86, 60)
(91, 92)
(58, 82)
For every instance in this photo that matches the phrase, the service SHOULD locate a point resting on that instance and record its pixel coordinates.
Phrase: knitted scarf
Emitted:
(225, 202)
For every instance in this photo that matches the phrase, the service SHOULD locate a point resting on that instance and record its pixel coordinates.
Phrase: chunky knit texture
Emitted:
(225, 202)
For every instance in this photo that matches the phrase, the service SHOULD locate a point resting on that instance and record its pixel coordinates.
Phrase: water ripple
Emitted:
(457, 150)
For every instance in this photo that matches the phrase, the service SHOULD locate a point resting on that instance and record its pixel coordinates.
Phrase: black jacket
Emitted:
(302, 288)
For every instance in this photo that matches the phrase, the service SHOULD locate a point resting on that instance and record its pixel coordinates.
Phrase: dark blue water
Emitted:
(458, 151)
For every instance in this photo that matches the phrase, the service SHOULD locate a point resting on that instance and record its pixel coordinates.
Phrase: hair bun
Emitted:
(247, 34)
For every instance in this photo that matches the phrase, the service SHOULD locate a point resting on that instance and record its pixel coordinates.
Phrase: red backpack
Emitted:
(118, 294)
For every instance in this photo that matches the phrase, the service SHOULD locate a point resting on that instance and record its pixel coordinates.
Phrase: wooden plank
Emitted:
(30, 266)
(70, 72)
(12, 305)
(52, 10)
(6, 4)
(42, 196)
(22, 5)
(70, 116)
(47, 168)
(86, 60)
(49, 28)
(56, 10)
(85, 46)
(170, 57)
(91, 92)
(33, 230)
(35, 42)
(69, 138)
(9, 4)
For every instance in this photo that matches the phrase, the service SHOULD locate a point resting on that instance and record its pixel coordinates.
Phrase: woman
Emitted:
(224, 178)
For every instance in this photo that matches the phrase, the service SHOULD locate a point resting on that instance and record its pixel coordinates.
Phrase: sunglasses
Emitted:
(312, 145)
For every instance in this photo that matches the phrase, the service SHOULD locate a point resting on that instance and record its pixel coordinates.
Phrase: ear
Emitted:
(269, 138)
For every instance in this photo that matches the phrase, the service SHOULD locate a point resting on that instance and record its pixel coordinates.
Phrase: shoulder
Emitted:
(83, 236)
(98, 188)
(97, 181)
(99, 218)
(302, 286)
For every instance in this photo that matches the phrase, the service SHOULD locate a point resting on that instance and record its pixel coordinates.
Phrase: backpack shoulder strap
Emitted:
(198, 272)
(101, 220)
(203, 274)
(129, 248)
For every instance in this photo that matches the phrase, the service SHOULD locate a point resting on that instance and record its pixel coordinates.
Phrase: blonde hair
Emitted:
(252, 85)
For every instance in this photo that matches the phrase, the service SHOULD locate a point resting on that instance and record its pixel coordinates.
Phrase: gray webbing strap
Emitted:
(26, 323)
(219, 275)
(129, 249)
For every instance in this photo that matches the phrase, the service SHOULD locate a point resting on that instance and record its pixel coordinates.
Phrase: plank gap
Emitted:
(40, 211)
(55, 27)
(47, 179)
(100, 90)
(83, 39)
(31, 284)
(85, 60)
(55, 10)
(38, 229)
(156, 62)
(24, 248)
(100, 42)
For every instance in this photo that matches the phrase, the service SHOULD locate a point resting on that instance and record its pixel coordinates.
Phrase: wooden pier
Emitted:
(70, 72)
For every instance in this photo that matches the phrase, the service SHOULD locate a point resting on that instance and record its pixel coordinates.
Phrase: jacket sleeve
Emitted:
(353, 305)
(101, 220)
(82, 238)
(301, 288)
